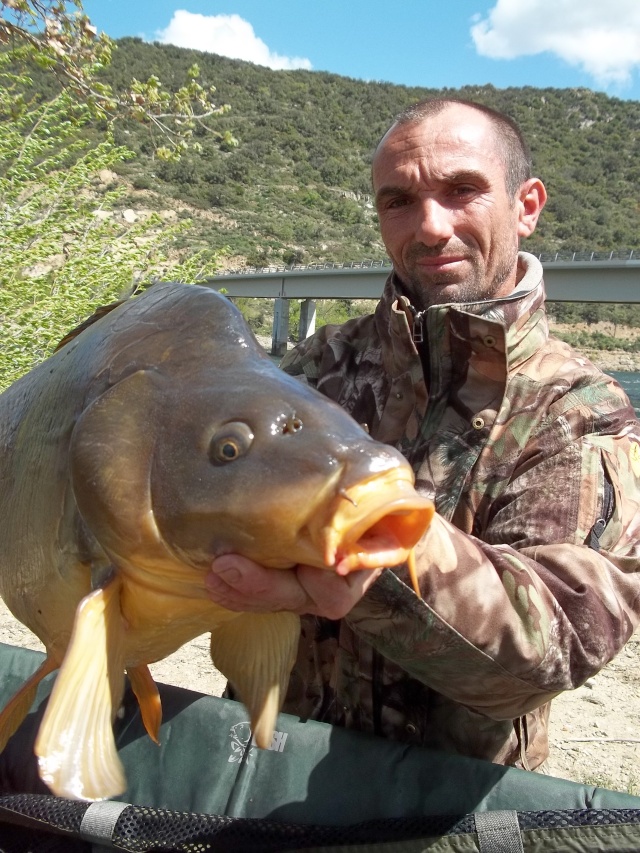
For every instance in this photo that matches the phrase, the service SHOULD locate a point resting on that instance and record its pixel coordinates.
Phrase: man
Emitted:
(529, 571)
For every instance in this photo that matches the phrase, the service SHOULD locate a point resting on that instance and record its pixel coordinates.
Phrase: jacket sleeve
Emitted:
(501, 627)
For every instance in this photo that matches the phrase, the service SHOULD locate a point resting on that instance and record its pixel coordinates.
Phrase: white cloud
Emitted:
(602, 37)
(227, 35)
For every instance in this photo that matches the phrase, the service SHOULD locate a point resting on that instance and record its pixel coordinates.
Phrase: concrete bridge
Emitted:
(569, 277)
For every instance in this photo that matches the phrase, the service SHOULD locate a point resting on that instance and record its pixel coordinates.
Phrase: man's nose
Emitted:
(433, 223)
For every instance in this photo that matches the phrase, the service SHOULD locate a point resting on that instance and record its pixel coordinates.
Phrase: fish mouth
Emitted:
(375, 523)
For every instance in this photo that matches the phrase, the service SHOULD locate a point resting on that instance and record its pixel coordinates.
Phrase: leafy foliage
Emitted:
(613, 317)
(65, 250)
(583, 340)
(56, 37)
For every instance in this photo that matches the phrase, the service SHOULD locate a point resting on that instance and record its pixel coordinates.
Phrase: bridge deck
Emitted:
(581, 280)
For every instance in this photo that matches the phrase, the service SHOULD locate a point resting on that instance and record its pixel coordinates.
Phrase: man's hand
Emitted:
(239, 584)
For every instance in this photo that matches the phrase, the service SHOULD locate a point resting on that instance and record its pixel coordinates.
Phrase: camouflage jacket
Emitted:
(529, 573)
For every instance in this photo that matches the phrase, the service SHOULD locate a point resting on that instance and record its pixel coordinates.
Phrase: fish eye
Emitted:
(231, 442)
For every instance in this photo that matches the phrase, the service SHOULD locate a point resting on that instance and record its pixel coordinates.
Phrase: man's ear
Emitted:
(532, 197)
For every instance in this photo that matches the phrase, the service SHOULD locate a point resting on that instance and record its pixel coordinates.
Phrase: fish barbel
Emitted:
(157, 438)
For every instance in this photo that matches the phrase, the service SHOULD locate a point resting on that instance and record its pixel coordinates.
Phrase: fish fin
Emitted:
(413, 572)
(111, 474)
(256, 652)
(100, 312)
(77, 756)
(18, 706)
(146, 692)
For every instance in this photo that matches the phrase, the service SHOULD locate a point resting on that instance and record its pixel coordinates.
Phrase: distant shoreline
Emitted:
(616, 360)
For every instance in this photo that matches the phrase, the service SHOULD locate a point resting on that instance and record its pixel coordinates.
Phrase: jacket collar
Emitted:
(517, 322)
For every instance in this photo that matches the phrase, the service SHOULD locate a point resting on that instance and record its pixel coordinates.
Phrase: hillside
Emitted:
(296, 186)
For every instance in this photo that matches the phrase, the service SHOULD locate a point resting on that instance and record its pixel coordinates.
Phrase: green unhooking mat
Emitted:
(207, 788)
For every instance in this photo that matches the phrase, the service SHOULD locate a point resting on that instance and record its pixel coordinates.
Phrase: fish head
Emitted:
(201, 446)
(275, 471)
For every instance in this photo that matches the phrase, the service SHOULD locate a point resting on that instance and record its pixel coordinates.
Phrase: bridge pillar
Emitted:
(280, 334)
(307, 318)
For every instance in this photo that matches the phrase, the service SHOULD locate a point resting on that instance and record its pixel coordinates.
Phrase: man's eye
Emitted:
(463, 190)
(397, 202)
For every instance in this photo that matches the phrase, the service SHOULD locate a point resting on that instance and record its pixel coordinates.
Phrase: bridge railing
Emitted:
(562, 255)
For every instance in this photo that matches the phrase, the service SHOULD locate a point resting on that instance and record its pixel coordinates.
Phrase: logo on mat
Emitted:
(242, 743)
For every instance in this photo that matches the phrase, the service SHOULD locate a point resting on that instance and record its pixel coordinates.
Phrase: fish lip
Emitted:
(368, 530)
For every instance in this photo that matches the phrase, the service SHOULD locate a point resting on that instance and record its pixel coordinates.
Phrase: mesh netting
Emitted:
(46, 824)
(208, 832)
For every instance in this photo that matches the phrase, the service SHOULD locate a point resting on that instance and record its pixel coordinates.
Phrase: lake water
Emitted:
(631, 384)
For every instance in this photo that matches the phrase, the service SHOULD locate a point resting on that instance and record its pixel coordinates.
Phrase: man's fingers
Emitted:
(239, 584)
(225, 571)
(333, 596)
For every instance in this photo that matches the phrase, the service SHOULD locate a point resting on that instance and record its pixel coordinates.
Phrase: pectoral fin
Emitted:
(76, 751)
(146, 692)
(256, 652)
(18, 706)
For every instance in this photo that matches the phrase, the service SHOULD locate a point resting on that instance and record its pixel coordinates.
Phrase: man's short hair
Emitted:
(512, 145)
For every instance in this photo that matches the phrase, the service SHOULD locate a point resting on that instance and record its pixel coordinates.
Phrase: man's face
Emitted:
(446, 219)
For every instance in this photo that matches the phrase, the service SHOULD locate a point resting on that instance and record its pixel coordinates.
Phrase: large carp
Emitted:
(157, 438)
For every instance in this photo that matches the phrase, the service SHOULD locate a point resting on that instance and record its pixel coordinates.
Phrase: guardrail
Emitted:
(543, 257)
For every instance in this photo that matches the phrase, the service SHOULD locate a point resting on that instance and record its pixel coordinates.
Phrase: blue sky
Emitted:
(434, 43)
